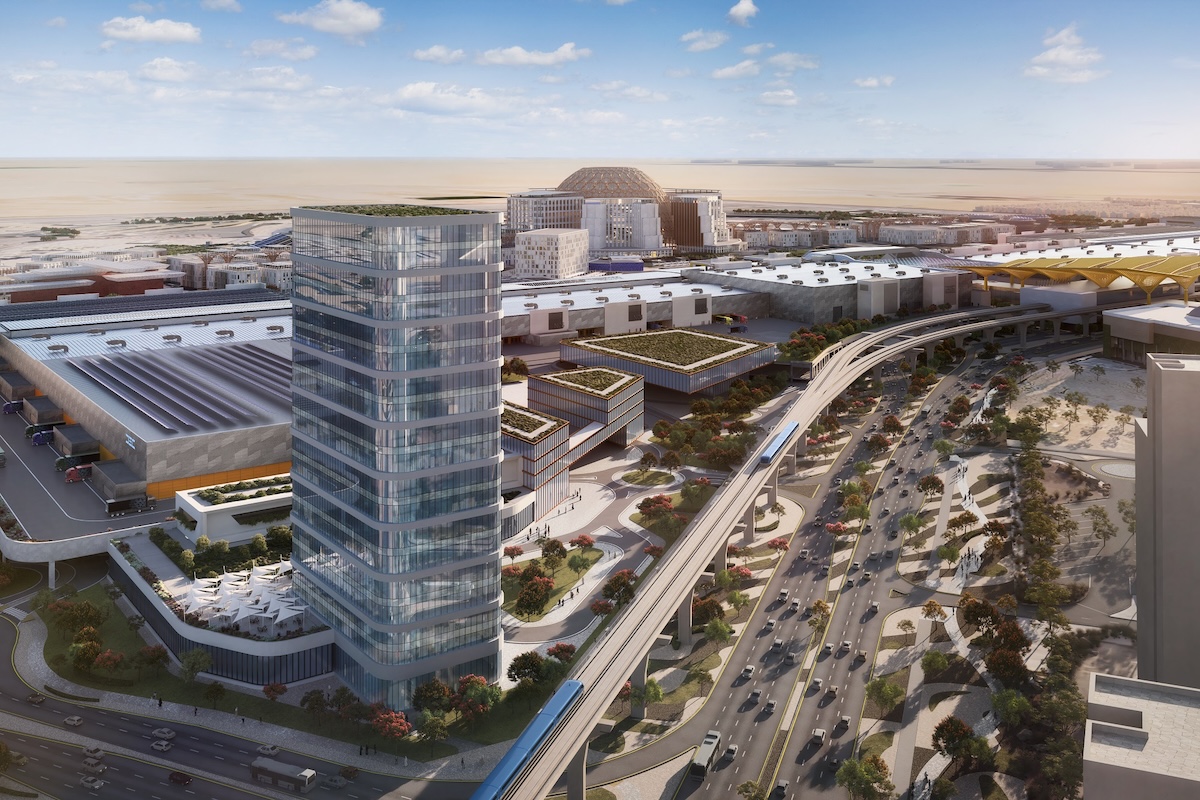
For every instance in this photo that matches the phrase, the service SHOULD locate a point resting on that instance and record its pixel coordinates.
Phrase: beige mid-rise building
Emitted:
(551, 253)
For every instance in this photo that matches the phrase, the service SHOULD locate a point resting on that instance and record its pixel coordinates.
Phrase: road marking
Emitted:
(218, 758)
(122, 730)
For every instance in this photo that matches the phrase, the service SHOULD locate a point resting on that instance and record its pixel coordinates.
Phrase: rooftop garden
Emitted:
(602, 382)
(246, 490)
(686, 350)
(526, 425)
(394, 210)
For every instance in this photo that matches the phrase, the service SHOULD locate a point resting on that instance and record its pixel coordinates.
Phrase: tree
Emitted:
(883, 693)
(779, 544)
(153, 656)
(390, 724)
(214, 692)
(534, 596)
(432, 728)
(431, 696)
(718, 630)
(6, 758)
(868, 779)
(1098, 413)
(1102, 526)
(83, 655)
(192, 663)
(563, 651)
(877, 443)
(602, 607)
(651, 693)
(1098, 371)
(187, 562)
(475, 697)
(654, 550)
(952, 737)
(931, 484)
(1011, 707)
(737, 601)
(109, 660)
(648, 461)
(934, 661)
(862, 468)
(1128, 511)
(513, 551)
(907, 626)
(821, 611)
(750, 790)
(258, 545)
(582, 541)
(274, 690)
(892, 424)
(1008, 667)
(315, 702)
(1052, 366)
(1138, 382)
(553, 554)
(943, 447)
(671, 460)
(526, 665)
(705, 610)
(943, 789)
(620, 587)
(1076, 369)
(578, 563)
(910, 523)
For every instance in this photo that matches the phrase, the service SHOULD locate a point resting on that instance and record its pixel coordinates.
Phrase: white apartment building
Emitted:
(623, 226)
(277, 275)
(551, 253)
(951, 234)
(220, 276)
(543, 208)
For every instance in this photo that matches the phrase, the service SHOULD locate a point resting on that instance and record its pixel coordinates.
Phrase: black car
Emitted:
(182, 778)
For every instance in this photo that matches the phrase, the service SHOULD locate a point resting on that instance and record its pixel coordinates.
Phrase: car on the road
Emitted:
(872, 556)
(747, 674)
(731, 752)
(771, 705)
(828, 649)
(163, 733)
(861, 655)
(845, 648)
(874, 606)
(790, 659)
(181, 778)
(895, 480)
(818, 736)
(832, 690)
(777, 644)
(817, 683)
(866, 576)
(771, 623)
(890, 554)
(868, 528)
(839, 482)
(803, 555)
(755, 696)
(855, 567)
(835, 763)
(18, 759)
(781, 788)
(37, 698)
(893, 534)
(334, 782)
(795, 606)
(904, 492)
(783, 595)
(891, 462)
(93, 752)
(273, 749)
(824, 570)
(162, 746)
(88, 782)
(93, 766)
(885, 511)
(73, 721)
(922, 452)
(844, 723)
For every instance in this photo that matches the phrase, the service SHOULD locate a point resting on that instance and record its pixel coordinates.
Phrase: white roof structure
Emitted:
(264, 592)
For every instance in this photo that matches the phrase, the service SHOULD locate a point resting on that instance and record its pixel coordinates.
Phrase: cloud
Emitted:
(1183, 62)
(742, 11)
(46, 64)
(143, 8)
(520, 57)
(551, 77)
(1065, 59)
(682, 72)
(167, 70)
(757, 48)
(874, 81)
(439, 54)
(442, 98)
(56, 22)
(140, 29)
(743, 69)
(350, 19)
(617, 2)
(221, 5)
(277, 78)
(701, 40)
(782, 97)
(289, 49)
(787, 63)
(621, 89)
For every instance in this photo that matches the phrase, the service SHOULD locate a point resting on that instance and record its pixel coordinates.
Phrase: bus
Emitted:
(285, 776)
(706, 755)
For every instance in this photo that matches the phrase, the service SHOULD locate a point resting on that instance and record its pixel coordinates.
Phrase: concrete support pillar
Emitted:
(929, 354)
(960, 340)
(721, 559)
(50, 575)
(748, 524)
(789, 464)
(802, 444)
(912, 358)
(989, 335)
(1088, 320)
(577, 774)
(1022, 333)
(683, 621)
(638, 682)
(1057, 330)
(773, 487)
(877, 375)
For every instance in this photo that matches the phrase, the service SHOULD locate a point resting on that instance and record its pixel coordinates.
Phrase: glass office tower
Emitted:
(396, 440)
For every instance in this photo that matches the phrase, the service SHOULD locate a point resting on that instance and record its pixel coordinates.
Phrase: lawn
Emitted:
(663, 528)
(990, 789)
(23, 579)
(649, 477)
(993, 571)
(875, 744)
(116, 635)
(564, 581)
(896, 712)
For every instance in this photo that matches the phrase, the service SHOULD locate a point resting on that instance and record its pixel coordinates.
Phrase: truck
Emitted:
(130, 505)
(83, 472)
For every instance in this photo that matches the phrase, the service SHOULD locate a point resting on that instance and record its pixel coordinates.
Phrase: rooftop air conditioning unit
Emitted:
(756, 271)
(96, 332)
(822, 280)
(635, 297)
(730, 272)
(697, 291)
(782, 277)
(568, 302)
(59, 348)
(40, 337)
(149, 327)
(602, 299)
(115, 343)
(531, 305)
(225, 333)
(901, 272)
(172, 337)
(876, 275)
(249, 319)
(275, 329)
(726, 288)
(200, 323)
(798, 283)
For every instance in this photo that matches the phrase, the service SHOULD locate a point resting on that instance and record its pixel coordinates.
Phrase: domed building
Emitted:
(625, 212)
(613, 183)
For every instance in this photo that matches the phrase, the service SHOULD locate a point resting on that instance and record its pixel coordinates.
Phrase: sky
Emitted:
(599, 78)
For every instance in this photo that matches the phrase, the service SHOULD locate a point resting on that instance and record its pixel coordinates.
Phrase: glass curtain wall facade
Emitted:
(396, 442)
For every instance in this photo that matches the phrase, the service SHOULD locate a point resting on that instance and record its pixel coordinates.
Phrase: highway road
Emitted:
(620, 649)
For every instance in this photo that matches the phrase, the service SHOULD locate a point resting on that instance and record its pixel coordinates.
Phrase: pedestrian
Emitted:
(160, 702)
(360, 749)
(235, 711)
(195, 711)
(243, 720)
(462, 762)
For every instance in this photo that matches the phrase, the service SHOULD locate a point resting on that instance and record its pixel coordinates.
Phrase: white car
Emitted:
(163, 733)
(74, 722)
(268, 750)
(817, 683)
(731, 752)
(93, 752)
(162, 746)
(88, 782)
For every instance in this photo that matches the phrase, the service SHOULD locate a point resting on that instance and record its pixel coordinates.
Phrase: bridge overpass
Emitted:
(622, 650)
